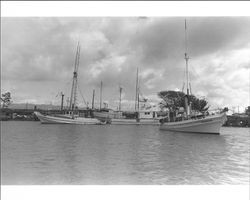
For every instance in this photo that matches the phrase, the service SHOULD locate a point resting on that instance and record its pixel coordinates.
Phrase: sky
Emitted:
(38, 58)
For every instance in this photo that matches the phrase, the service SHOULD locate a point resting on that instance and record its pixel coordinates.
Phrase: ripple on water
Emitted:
(38, 154)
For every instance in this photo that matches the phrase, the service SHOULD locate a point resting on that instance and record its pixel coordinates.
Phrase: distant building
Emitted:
(247, 111)
(239, 119)
(5, 114)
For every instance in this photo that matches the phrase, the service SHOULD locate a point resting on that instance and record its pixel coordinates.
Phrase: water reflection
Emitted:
(66, 154)
(68, 139)
(198, 157)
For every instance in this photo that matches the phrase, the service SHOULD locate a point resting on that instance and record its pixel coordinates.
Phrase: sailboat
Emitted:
(71, 117)
(139, 117)
(209, 124)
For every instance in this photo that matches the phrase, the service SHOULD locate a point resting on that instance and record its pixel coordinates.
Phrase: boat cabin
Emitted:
(148, 114)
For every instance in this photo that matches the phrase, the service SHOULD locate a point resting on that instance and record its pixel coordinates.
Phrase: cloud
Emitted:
(218, 34)
(38, 56)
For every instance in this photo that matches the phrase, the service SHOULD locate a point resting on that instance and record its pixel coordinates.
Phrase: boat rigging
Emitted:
(73, 95)
(192, 123)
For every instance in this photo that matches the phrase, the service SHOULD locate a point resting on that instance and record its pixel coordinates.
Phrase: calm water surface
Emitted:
(33, 153)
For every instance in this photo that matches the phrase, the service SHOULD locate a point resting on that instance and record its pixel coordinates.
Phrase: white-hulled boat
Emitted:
(47, 119)
(69, 118)
(144, 118)
(209, 124)
(140, 116)
(135, 121)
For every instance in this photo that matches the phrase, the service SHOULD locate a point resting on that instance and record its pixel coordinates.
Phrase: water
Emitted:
(33, 153)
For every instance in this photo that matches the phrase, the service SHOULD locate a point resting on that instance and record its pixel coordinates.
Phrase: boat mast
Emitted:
(120, 99)
(137, 92)
(186, 59)
(72, 103)
(138, 96)
(101, 96)
(187, 73)
(93, 99)
(62, 100)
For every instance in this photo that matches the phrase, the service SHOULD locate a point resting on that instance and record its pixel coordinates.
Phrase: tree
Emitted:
(176, 99)
(6, 97)
(171, 99)
(198, 104)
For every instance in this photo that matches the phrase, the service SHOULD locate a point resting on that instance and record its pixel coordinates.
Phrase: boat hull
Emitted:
(45, 119)
(110, 118)
(135, 122)
(208, 125)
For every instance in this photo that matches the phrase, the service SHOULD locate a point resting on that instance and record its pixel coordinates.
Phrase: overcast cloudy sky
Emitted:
(38, 57)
